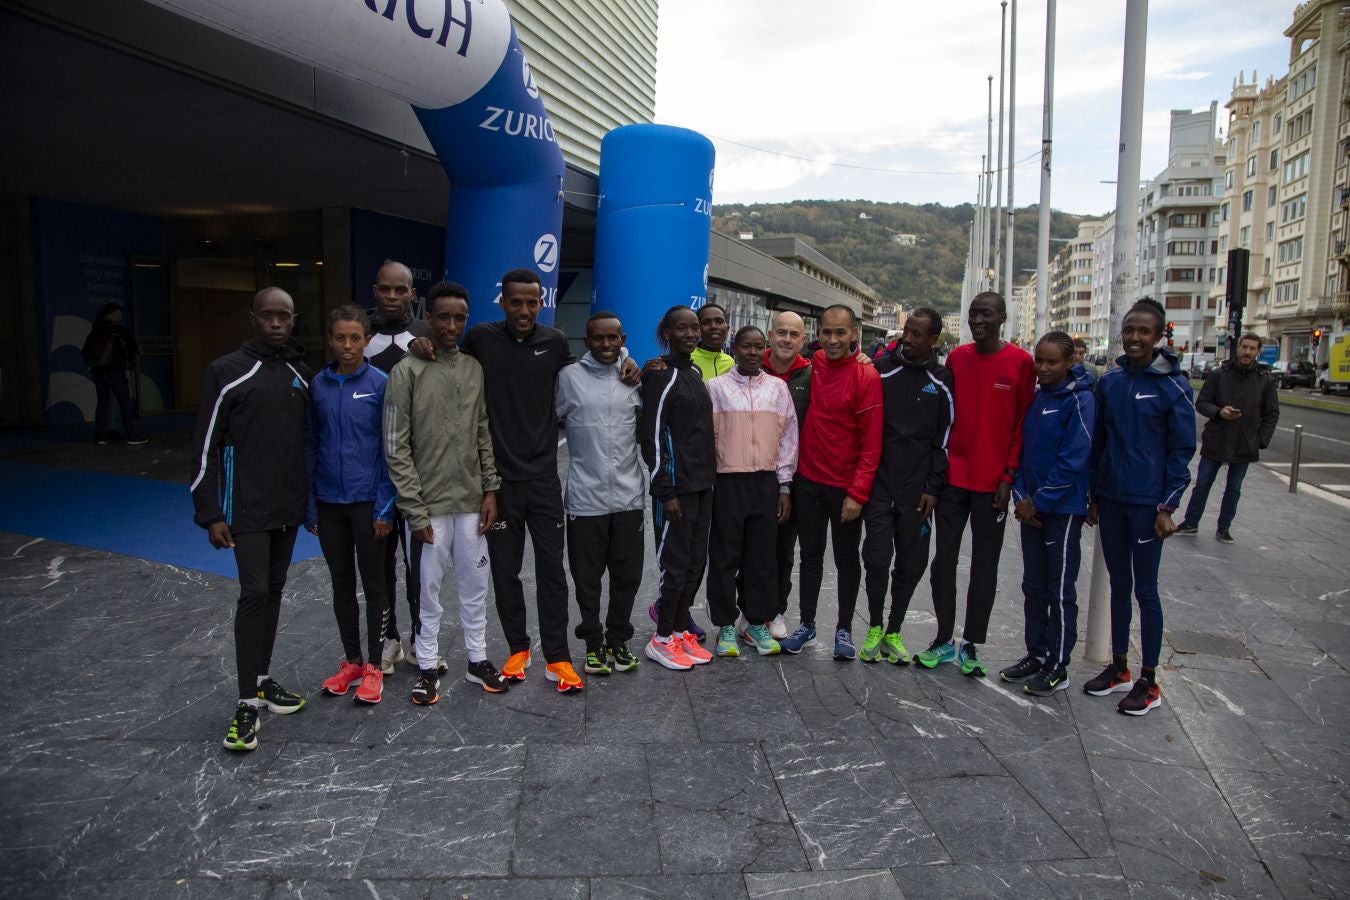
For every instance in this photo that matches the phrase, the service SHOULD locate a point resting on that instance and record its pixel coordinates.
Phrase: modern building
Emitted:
(1022, 325)
(1099, 335)
(1070, 301)
(819, 282)
(1178, 233)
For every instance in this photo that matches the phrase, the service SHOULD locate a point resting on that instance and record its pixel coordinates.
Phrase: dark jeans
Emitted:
(263, 558)
(595, 544)
(347, 538)
(681, 556)
(412, 577)
(112, 384)
(1232, 492)
(900, 532)
(536, 505)
(1050, 560)
(819, 507)
(1133, 552)
(742, 546)
(956, 506)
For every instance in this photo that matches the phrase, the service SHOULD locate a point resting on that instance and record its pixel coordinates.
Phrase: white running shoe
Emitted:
(393, 653)
(778, 627)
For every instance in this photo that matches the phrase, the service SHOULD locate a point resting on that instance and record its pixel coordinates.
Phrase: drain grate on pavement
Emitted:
(1208, 644)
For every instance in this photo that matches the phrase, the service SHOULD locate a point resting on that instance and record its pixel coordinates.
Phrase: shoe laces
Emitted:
(1142, 688)
(843, 636)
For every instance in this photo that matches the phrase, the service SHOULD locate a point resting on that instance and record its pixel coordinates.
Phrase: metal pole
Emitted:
(1097, 647)
(1012, 146)
(1047, 132)
(1298, 453)
(988, 235)
(998, 192)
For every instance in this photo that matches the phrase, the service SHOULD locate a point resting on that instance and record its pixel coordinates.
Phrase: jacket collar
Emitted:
(1164, 362)
(288, 352)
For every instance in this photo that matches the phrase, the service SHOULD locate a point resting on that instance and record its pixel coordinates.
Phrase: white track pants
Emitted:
(457, 542)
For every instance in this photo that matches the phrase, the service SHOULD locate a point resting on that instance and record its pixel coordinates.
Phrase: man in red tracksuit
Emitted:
(994, 385)
(839, 452)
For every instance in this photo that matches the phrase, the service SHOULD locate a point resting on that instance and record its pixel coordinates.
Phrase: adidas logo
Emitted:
(295, 383)
(482, 561)
(929, 388)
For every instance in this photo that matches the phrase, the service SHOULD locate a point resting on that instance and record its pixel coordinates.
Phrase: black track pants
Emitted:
(895, 532)
(595, 544)
(536, 505)
(955, 508)
(263, 558)
(347, 538)
(743, 540)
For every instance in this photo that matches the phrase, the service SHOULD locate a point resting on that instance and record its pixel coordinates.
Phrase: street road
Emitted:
(1326, 447)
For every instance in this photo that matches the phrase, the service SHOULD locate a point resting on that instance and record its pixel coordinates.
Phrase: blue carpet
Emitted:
(132, 516)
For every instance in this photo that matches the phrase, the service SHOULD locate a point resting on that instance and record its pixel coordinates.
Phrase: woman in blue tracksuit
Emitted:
(351, 499)
(1141, 452)
(1051, 494)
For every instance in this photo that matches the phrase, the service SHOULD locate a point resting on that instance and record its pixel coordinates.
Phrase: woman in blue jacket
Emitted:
(351, 499)
(1141, 453)
(1051, 494)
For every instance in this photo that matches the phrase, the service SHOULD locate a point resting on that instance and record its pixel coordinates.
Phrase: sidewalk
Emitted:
(753, 777)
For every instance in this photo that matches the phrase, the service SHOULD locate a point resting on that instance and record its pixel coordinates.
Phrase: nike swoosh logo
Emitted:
(1144, 396)
(1142, 541)
(1046, 412)
(538, 352)
(356, 396)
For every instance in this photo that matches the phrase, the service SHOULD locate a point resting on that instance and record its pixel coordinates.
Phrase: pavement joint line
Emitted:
(1313, 490)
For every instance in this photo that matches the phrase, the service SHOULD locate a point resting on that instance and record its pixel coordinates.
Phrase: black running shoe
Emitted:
(1110, 681)
(1145, 695)
(243, 733)
(1188, 529)
(427, 690)
(278, 699)
(1223, 536)
(486, 674)
(624, 660)
(1022, 669)
(1046, 682)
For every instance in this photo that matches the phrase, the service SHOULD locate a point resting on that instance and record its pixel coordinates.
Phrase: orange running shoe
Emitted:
(372, 686)
(669, 654)
(347, 673)
(566, 677)
(515, 667)
(693, 649)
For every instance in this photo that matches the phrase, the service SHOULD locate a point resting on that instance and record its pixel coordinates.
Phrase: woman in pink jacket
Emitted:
(755, 429)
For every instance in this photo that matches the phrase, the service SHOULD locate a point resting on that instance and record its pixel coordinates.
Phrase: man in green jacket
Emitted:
(439, 452)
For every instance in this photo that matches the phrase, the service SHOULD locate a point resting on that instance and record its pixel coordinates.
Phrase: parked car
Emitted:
(1300, 373)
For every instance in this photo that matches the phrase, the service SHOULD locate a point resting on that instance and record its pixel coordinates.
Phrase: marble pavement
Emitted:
(754, 777)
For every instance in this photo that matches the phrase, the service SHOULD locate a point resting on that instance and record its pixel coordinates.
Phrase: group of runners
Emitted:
(441, 440)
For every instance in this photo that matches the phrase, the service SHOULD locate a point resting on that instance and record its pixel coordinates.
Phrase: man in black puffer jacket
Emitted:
(1243, 409)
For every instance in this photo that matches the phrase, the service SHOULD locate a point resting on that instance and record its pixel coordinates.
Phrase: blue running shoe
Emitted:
(804, 636)
(936, 654)
(843, 645)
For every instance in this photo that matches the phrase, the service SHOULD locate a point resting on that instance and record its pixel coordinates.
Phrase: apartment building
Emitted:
(1070, 301)
(1024, 301)
(1099, 331)
(1288, 147)
(1178, 229)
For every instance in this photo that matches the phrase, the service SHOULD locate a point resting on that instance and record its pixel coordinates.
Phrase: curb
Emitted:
(1289, 398)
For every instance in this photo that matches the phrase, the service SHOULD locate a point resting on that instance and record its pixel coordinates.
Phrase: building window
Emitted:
(1251, 166)
(1247, 201)
(1301, 83)
(1185, 248)
(1286, 292)
(1228, 180)
(1293, 210)
(1291, 251)
(1270, 231)
(1270, 196)
(1296, 168)
(1245, 236)
(1256, 131)
(1223, 243)
(1279, 121)
(1223, 213)
(1274, 159)
(1265, 269)
(1187, 220)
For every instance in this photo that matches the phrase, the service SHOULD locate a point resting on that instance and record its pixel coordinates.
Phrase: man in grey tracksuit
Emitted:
(606, 492)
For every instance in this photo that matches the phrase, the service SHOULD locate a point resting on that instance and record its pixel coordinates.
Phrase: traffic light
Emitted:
(1316, 337)
(1169, 334)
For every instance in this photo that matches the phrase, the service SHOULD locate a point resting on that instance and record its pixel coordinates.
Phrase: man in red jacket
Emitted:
(839, 451)
(994, 384)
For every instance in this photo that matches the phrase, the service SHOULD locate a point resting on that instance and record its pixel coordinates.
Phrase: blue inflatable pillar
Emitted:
(652, 227)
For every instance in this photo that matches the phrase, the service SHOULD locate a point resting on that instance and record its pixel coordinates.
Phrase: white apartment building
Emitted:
(1178, 235)
(1070, 301)
(1288, 148)
(1098, 335)
(1024, 301)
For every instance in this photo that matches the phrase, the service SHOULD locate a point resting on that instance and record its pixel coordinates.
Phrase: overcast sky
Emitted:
(901, 85)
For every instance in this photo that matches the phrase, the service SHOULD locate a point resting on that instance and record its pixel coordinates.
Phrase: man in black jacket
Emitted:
(919, 406)
(1240, 401)
(250, 488)
(395, 325)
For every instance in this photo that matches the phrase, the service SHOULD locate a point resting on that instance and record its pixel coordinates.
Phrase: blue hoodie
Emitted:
(1145, 435)
(343, 447)
(1056, 448)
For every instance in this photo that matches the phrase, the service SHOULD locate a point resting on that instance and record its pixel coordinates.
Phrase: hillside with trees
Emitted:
(865, 238)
